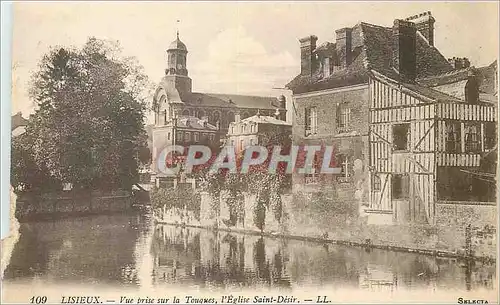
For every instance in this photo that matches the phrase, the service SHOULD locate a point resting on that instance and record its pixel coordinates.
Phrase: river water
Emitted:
(130, 250)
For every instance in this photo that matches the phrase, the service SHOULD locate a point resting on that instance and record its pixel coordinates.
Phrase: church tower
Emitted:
(176, 72)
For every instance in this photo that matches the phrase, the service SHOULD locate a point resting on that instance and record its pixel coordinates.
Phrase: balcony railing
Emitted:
(312, 180)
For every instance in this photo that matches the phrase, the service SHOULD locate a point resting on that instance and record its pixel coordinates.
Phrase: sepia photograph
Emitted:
(258, 152)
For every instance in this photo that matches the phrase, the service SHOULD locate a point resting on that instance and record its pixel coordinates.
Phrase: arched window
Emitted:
(200, 114)
(215, 117)
(244, 115)
(161, 120)
(230, 118)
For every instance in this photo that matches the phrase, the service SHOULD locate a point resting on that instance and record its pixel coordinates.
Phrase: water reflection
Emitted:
(130, 250)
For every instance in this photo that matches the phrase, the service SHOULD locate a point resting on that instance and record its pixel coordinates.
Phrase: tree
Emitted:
(88, 129)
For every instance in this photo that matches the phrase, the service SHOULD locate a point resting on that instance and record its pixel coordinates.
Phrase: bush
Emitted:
(176, 198)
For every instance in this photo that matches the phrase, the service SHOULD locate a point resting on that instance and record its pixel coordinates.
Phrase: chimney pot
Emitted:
(424, 23)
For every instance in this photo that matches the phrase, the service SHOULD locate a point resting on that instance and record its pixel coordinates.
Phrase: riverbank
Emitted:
(8, 243)
(31, 207)
(367, 245)
(306, 219)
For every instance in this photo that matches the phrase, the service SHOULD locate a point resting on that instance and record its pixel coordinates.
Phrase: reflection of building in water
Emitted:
(206, 258)
(143, 259)
(216, 258)
(378, 278)
(175, 253)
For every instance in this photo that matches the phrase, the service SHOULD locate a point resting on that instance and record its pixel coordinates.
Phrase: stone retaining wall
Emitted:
(304, 218)
(71, 203)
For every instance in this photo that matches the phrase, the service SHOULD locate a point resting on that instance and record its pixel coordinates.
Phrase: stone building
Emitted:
(184, 117)
(334, 97)
(258, 130)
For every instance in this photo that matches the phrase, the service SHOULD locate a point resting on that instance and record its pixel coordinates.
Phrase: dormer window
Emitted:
(472, 90)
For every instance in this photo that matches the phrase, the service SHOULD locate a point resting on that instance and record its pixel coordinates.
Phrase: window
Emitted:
(230, 118)
(453, 137)
(179, 136)
(327, 67)
(490, 135)
(343, 117)
(400, 135)
(187, 136)
(376, 183)
(232, 129)
(200, 114)
(343, 162)
(313, 177)
(252, 142)
(400, 186)
(168, 136)
(242, 144)
(196, 137)
(311, 121)
(185, 112)
(212, 138)
(472, 143)
(165, 117)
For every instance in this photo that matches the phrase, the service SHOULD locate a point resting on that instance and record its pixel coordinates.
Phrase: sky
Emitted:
(242, 48)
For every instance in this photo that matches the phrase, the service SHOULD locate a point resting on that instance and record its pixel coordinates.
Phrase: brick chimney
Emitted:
(344, 46)
(307, 58)
(424, 23)
(404, 56)
(459, 63)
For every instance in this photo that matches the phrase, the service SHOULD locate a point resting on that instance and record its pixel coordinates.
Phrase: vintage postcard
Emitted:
(251, 153)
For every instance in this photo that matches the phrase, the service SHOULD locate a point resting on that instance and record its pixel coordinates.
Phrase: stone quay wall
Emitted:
(304, 218)
(32, 207)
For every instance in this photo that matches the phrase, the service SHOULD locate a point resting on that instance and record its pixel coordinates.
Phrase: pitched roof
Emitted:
(17, 120)
(194, 122)
(416, 89)
(231, 100)
(446, 78)
(373, 51)
(264, 119)
(487, 78)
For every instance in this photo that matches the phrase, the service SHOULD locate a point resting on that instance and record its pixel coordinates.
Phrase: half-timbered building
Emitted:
(404, 119)
(426, 147)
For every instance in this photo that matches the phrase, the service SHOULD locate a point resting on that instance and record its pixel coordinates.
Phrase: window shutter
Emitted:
(338, 115)
(307, 118)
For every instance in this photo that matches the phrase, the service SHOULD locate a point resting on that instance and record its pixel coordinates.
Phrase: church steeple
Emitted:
(177, 58)
(176, 72)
